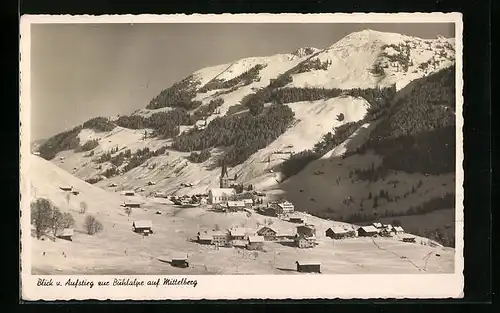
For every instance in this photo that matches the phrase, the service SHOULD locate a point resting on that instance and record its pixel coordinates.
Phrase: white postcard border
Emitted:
(240, 286)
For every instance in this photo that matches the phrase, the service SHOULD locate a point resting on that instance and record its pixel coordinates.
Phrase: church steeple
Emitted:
(224, 177)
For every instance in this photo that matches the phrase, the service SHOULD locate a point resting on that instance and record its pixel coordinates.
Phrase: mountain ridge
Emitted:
(347, 87)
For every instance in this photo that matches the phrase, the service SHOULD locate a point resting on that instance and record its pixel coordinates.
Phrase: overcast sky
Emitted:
(79, 71)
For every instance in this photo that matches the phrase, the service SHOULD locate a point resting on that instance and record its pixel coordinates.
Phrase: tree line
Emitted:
(178, 95)
(246, 78)
(244, 135)
(418, 135)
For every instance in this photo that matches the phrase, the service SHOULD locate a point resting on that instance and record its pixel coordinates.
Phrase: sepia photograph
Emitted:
(195, 147)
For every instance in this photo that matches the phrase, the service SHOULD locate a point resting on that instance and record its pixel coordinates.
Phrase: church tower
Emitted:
(224, 176)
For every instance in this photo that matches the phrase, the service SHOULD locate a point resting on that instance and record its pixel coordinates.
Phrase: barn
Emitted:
(308, 267)
(180, 261)
(409, 239)
(144, 227)
(296, 219)
(268, 233)
(66, 234)
(367, 231)
(132, 205)
(307, 230)
(255, 242)
(129, 193)
(337, 232)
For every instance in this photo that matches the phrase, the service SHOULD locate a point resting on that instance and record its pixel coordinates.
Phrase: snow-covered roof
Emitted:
(338, 230)
(369, 229)
(398, 229)
(67, 232)
(309, 262)
(240, 243)
(249, 201)
(377, 225)
(252, 239)
(128, 191)
(235, 203)
(205, 236)
(219, 192)
(237, 232)
(143, 224)
(218, 233)
(285, 204)
(180, 256)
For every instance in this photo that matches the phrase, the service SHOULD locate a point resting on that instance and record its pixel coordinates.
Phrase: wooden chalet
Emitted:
(336, 232)
(409, 239)
(180, 261)
(268, 233)
(307, 230)
(308, 266)
(398, 230)
(132, 204)
(144, 227)
(255, 242)
(205, 238)
(367, 231)
(66, 234)
(237, 234)
(296, 219)
(129, 193)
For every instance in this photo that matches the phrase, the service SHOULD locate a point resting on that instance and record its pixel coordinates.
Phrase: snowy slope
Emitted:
(352, 58)
(117, 250)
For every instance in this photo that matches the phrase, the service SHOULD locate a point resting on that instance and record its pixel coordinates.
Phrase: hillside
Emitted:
(117, 250)
(362, 130)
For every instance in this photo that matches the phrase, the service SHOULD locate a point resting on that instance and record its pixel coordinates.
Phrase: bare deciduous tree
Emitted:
(41, 214)
(67, 220)
(92, 225)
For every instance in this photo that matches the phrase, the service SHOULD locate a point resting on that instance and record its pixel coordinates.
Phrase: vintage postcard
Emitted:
(254, 156)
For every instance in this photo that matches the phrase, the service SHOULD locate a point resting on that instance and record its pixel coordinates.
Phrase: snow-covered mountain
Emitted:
(328, 90)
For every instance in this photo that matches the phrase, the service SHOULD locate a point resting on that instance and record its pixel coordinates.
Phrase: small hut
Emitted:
(205, 238)
(255, 242)
(367, 231)
(66, 234)
(180, 261)
(129, 193)
(132, 204)
(308, 266)
(144, 227)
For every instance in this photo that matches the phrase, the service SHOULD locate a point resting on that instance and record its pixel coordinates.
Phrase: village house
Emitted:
(304, 242)
(237, 234)
(205, 238)
(284, 208)
(337, 232)
(144, 227)
(296, 219)
(180, 261)
(398, 230)
(306, 230)
(131, 204)
(255, 242)
(240, 244)
(308, 267)
(248, 203)
(268, 233)
(409, 239)
(220, 195)
(220, 238)
(378, 225)
(388, 230)
(367, 231)
(66, 234)
(66, 188)
(234, 206)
